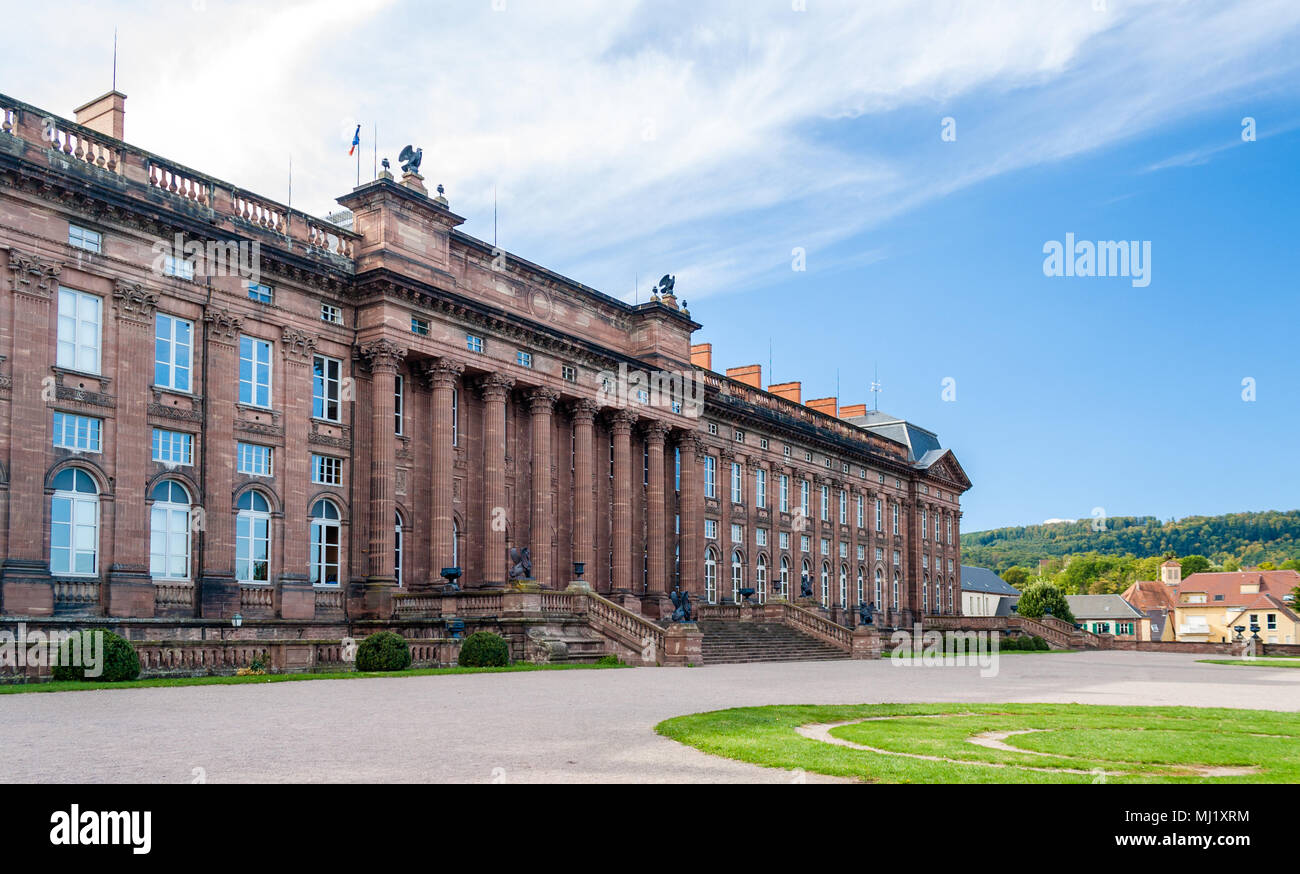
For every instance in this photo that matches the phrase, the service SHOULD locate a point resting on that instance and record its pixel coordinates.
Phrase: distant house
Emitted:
(1156, 600)
(1109, 614)
(984, 593)
(1208, 606)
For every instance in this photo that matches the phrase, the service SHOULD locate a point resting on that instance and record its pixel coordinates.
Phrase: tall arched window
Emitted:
(925, 596)
(455, 543)
(74, 525)
(785, 577)
(880, 579)
(895, 590)
(951, 609)
(253, 539)
(325, 543)
(169, 532)
(397, 547)
(737, 575)
(806, 575)
(710, 576)
(760, 579)
(826, 584)
(862, 593)
(844, 585)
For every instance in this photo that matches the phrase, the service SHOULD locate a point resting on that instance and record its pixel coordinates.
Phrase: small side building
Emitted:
(1109, 614)
(984, 593)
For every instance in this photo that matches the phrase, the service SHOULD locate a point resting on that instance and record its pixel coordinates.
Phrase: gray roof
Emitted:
(1005, 605)
(918, 440)
(1102, 607)
(981, 579)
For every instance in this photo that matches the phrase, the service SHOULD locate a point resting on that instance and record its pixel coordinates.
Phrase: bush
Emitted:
(608, 660)
(120, 661)
(383, 651)
(1040, 644)
(483, 649)
(1012, 642)
(1038, 598)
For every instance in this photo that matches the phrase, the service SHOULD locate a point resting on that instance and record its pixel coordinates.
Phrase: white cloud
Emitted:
(705, 140)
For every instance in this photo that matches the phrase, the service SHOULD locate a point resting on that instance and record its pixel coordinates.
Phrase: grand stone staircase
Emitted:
(727, 642)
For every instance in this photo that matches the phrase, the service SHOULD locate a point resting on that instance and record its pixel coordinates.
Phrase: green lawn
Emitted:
(1270, 662)
(1069, 743)
(79, 686)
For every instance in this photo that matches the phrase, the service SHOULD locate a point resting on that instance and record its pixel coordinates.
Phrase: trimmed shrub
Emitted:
(120, 660)
(1038, 598)
(1040, 644)
(608, 660)
(483, 649)
(1011, 642)
(383, 651)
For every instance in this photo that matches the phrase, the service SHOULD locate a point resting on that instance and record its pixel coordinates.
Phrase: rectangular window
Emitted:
(805, 543)
(263, 294)
(762, 442)
(677, 468)
(473, 344)
(76, 432)
(330, 313)
(737, 533)
(327, 470)
(182, 268)
(826, 503)
(862, 552)
(254, 372)
(524, 359)
(844, 507)
(172, 447)
(711, 529)
(784, 539)
(253, 459)
(924, 518)
(419, 326)
(84, 238)
(760, 536)
(760, 487)
(895, 509)
(740, 436)
(455, 417)
(568, 372)
(79, 331)
(710, 477)
(860, 514)
(785, 493)
(844, 549)
(398, 385)
(897, 558)
(173, 341)
(803, 496)
(826, 546)
(325, 387)
(736, 485)
(880, 521)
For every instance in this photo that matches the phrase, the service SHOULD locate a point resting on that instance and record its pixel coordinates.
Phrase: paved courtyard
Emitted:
(587, 726)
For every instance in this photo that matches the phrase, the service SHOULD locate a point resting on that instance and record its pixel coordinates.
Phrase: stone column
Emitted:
(219, 596)
(692, 513)
(442, 376)
(541, 403)
(382, 358)
(656, 597)
(495, 389)
(621, 425)
(584, 531)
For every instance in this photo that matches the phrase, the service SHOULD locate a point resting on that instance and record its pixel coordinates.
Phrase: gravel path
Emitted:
(563, 726)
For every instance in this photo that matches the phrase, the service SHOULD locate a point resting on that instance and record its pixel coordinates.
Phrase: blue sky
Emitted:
(625, 140)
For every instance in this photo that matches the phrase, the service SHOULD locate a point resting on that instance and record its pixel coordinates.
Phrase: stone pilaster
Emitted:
(219, 597)
(541, 404)
(495, 390)
(382, 358)
(621, 422)
(584, 534)
(442, 376)
(655, 434)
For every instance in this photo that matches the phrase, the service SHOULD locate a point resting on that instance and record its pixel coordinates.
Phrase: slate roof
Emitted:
(981, 579)
(1102, 607)
(918, 440)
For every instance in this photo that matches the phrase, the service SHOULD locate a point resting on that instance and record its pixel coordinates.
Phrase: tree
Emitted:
(1195, 564)
(1038, 598)
(1015, 577)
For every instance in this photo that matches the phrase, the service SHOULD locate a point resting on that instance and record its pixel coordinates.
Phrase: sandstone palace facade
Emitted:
(380, 396)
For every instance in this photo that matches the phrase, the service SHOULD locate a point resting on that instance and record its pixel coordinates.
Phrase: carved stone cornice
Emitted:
(297, 346)
(494, 386)
(134, 300)
(440, 372)
(33, 275)
(381, 355)
(223, 325)
(542, 400)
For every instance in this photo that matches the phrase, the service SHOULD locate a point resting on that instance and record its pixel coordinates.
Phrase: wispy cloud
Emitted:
(622, 137)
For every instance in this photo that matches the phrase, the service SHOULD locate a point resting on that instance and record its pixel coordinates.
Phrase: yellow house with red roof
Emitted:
(1210, 606)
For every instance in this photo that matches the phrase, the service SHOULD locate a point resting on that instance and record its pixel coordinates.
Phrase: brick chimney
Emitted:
(104, 114)
(790, 391)
(751, 375)
(702, 355)
(853, 410)
(829, 406)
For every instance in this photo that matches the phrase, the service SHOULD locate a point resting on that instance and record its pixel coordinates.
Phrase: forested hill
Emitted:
(1244, 539)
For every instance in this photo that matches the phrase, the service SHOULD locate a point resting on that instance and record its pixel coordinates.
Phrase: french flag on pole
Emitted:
(356, 140)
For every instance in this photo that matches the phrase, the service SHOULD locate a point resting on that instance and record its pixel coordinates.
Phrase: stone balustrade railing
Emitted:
(173, 595)
(256, 597)
(329, 600)
(76, 593)
(243, 212)
(630, 629)
(814, 624)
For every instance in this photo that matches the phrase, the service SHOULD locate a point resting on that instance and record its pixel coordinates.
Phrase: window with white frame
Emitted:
(861, 521)
(74, 525)
(326, 470)
(844, 507)
(330, 313)
(260, 292)
(895, 509)
(253, 459)
(826, 546)
(524, 359)
(880, 522)
(254, 372)
(760, 487)
(455, 417)
(898, 558)
(862, 552)
(785, 493)
(711, 529)
(473, 343)
(844, 585)
(419, 327)
(826, 584)
(924, 519)
(844, 549)
(85, 238)
(173, 447)
(784, 539)
(737, 533)
(324, 559)
(710, 576)
(79, 335)
(568, 372)
(803, 496)
(81, 433)
(760, 536)
(805, 542)
(737, 575)
(326, 380)
(253, 539)
(710, 476)
(826, 503)
(172, 345)
(169, 532)
(737, 486)
(397, 548)
(181, 268)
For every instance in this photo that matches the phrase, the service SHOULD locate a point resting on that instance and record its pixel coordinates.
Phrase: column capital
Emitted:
(494, 386)
(542, 400)
(440, 372)
(134, 300)
(224, 324)
(621, 421)
(296, 344)
(655, 431)
(583, 410)
(381, 355)
(33, 275)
